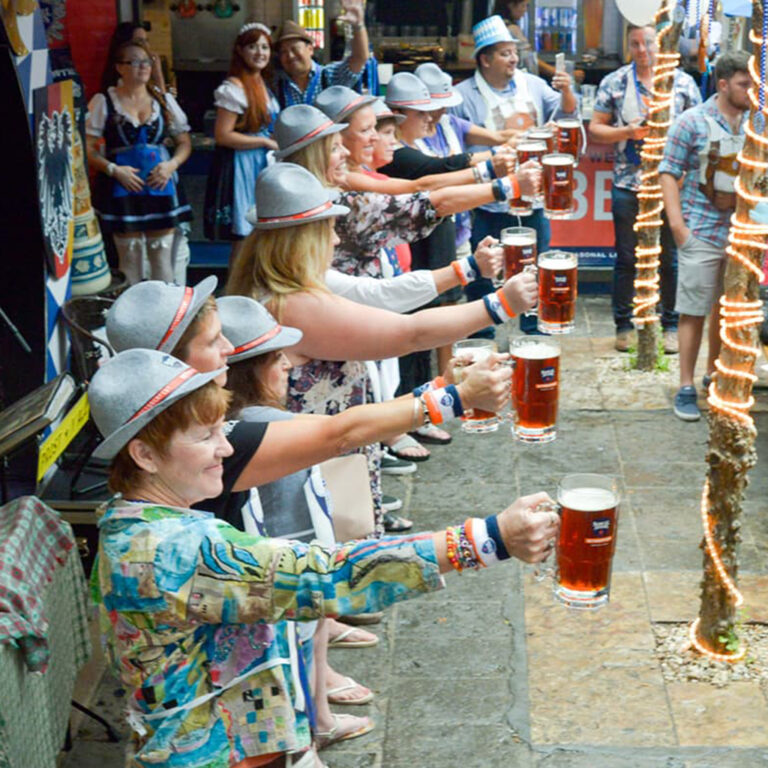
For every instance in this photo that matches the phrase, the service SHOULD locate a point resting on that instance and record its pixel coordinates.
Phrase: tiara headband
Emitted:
(254, 25)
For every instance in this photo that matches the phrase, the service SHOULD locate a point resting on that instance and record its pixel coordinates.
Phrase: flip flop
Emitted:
(350, 685)
(404, 443)
(343, 640)
(429, 433)
(396, 524)
(324, 739)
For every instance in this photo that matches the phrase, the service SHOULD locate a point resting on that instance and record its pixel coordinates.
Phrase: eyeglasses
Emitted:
(137, 63)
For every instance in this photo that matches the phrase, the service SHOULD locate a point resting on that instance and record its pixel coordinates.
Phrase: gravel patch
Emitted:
(680, 662)
(617, 371)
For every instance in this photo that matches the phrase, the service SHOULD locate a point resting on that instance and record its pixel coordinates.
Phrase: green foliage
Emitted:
(662, 359)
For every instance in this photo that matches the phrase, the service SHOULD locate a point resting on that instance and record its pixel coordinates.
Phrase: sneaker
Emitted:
(669, 340)
(685, 404)
(707, 380)
(624, 340)
(391, 465)
(391, 503)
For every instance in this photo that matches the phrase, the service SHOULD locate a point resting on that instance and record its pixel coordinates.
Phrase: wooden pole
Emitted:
(650, 203)
(731, 450)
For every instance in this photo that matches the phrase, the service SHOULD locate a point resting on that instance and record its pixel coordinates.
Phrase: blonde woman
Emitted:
(283, 264)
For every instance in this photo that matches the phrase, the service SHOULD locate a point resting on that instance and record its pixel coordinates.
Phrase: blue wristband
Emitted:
(492, 524)
(458, 408)
(491, 305)
(422, 388)
(491, 169)
(473, 264)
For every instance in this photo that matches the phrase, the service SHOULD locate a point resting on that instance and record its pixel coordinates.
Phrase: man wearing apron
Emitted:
(501, 97)
(619, 117)
(702, 149)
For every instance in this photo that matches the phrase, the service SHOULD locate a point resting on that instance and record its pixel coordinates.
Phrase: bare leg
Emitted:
(159, 251)
(689, 332)
(130, 254)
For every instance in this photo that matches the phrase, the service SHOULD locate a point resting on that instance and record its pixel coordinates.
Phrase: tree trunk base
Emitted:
(647, 347)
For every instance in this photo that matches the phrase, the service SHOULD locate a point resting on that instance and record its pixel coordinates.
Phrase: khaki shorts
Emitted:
(700, 269)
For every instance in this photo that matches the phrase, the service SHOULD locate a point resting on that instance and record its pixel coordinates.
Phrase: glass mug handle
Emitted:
(498, 278)
(541, 571)
(534, 270)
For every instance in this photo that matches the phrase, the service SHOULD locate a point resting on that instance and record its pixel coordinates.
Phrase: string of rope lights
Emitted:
(647, 254)
(730, 393)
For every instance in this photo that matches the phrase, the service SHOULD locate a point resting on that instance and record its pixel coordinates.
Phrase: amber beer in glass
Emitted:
(526, 150)
(547, 135)
(519, 245)
(589, 516)
(558, 186)
(569, 137)
(535, 385)
(475, 420)
(558, 289)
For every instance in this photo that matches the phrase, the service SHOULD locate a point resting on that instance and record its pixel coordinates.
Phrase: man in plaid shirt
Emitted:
(619, 118)
(701, 150)
(300, 78)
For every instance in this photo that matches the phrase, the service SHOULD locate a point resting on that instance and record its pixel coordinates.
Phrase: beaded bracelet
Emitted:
(451, 547)
(459, 549)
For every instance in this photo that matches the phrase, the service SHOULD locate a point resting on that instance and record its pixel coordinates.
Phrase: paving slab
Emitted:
(733, 716)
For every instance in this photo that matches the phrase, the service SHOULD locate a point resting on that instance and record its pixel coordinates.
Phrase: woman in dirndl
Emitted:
(245, 115)
(137, 193)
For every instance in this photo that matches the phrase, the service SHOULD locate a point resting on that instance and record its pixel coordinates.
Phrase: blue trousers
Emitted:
(490, 223)
(624, 214)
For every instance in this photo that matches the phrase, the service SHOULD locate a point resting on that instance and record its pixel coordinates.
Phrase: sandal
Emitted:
(396, 524)
(344, 639)
(349, 685)
(405, 443)
(429, 433)
(324, 739)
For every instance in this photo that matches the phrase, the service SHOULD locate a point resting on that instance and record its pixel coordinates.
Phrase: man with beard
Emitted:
(702, 150)
(620, 118)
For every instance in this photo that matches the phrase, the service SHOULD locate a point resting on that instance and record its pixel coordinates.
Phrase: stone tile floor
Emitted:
(491, 672)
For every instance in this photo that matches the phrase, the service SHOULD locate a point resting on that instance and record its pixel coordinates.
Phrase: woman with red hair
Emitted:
(246, 111)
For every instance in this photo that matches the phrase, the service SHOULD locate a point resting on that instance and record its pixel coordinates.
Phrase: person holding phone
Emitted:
(619, 118)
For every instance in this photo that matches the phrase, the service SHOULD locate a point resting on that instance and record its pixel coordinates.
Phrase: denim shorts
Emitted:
(700, 268)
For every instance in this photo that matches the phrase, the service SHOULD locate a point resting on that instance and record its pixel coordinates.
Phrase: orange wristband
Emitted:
(505, 304)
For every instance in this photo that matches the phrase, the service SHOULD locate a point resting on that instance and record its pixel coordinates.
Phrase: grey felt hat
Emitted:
(439, 85)
(339, 102)
(383, 112)
(133, 387)
(288, 195)
(300, 125)
(154, 314)
(406, 91)
(252, 329)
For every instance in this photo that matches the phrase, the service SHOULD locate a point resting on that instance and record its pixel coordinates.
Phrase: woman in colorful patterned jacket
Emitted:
(184, 597)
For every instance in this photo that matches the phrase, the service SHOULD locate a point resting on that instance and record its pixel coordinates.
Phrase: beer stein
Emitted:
(526, 150)
(519, 244)
(535, 385)
(589, 507)
(468, 351)
(545, 134)
(558, 276)
(569, 138)
(558, 186)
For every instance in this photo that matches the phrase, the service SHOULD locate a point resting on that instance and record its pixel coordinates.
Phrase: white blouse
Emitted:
(97, 114)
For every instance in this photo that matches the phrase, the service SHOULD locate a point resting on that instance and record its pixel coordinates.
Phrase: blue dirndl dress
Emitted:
(226, 209)
(141, 146)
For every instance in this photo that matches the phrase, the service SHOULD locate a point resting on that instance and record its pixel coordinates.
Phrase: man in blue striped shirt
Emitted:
(701, 150)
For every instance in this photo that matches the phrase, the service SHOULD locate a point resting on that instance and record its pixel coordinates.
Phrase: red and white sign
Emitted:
(592, 224)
